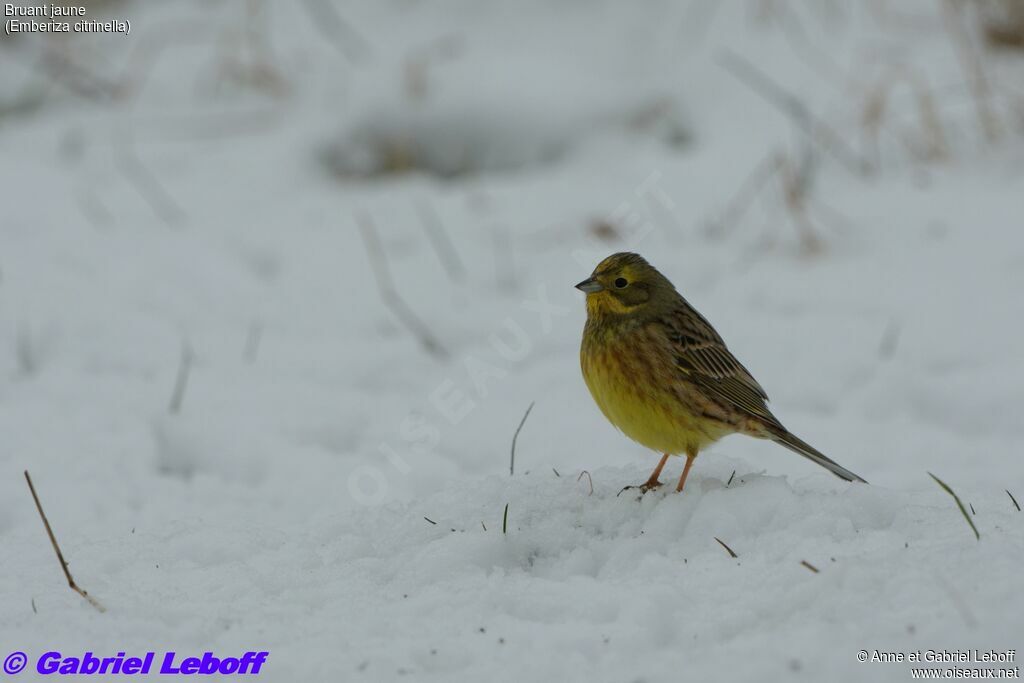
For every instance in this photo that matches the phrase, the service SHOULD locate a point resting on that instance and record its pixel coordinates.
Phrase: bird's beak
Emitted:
(590, 285)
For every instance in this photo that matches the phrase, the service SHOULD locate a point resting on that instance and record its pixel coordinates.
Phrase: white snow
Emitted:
(285, 506)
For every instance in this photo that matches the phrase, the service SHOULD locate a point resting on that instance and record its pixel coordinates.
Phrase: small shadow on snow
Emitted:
(465, 141)
(185, 449)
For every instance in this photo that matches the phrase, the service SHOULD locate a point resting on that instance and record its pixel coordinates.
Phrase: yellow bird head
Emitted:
(626, 284)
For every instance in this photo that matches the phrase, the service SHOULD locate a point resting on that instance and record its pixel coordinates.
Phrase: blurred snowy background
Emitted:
(278, 282)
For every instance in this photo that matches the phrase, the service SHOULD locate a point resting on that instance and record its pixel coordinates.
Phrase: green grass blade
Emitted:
(963, 511)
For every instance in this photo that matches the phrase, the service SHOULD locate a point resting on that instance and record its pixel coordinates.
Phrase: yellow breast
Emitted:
(638, 388)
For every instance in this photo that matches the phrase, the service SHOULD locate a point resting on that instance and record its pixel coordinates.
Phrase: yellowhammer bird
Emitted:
(660, 373)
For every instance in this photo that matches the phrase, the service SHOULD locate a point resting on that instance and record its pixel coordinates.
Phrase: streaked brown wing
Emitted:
(702, 355)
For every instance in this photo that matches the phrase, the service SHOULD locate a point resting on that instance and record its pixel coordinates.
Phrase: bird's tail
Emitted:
(793, 443)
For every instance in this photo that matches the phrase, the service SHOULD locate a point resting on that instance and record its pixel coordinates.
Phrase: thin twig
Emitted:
(961, 605)
(252, 342)
(397, 305)
(971, 63)
(181, 381)
(727, 548)
(443, 246)
(25, 350)
(429, 519)
(890, 338)
(589, 479)
(504, 520)
(94, 210)
(816, 129)
(795, 180)
(58, 65)
(933, 146)
(146, 183)
(159, 39)
(249, 58)
(483, 525)
(748, 190)
(730, 479)
(340, 33)
(809, 566)
(504, 267)
(963, 511)
(56, 548)
(559, 475)
(1015, 503)
(512, 460)
(816, 58)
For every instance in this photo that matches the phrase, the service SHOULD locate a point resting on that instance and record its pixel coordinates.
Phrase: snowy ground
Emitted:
(213, 204)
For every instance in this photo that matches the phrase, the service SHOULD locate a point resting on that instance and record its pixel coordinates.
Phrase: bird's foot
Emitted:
(648, 485)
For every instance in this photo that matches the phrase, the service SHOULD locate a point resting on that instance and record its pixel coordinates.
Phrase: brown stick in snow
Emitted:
(56, 548)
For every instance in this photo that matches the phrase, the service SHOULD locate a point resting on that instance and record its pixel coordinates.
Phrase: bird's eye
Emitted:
(620, 282)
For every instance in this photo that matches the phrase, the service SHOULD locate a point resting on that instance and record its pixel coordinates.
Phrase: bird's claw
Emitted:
(644, 488)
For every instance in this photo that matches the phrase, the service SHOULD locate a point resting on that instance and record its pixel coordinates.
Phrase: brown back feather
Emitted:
(703, 356)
